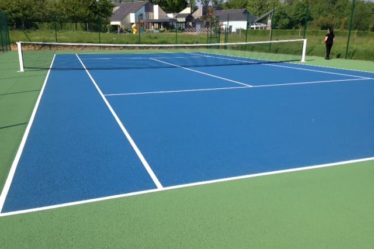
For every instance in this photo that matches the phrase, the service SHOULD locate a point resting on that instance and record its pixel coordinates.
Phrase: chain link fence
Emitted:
(351, 40)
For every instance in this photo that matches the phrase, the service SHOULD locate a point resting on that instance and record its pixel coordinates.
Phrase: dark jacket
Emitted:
(330, 39)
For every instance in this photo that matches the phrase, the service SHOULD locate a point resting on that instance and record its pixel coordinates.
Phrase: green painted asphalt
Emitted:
(325, 208)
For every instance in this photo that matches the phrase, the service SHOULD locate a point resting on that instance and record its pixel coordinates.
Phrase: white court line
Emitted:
(309, 83)
(21, 147)
(176, 91)
(182, 186)
(232, 88)
(284, 66)
(140, 58)
(317, 71)
(339, 68)
(315, 66)
(203, 73)
(124, 130)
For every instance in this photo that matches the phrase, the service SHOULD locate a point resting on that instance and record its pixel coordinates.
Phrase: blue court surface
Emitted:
(102, 131)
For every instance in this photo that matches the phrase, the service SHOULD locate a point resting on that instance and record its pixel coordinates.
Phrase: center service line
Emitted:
(203, 73)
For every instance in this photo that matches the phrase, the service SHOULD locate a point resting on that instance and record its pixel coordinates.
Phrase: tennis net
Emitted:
(39, 55)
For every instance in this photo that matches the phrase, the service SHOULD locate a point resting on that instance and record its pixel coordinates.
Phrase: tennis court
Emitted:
(115, 125)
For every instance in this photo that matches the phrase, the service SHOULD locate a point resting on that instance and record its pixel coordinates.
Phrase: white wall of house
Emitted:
(198, 13)
(115, 23)
(235, 25)
(127, 20)
(186, 11)
(156, 11)
(131, 18)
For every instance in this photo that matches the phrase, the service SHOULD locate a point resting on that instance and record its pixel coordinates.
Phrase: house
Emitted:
(234, 19)
(191, 19)
(184, 18)
(264, 21)
(144, 14)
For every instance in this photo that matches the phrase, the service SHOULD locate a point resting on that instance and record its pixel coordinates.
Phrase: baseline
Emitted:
(195, 184)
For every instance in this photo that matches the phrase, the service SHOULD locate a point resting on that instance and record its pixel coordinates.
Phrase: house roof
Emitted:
(234, 15)
(266, 15)
(124, 9)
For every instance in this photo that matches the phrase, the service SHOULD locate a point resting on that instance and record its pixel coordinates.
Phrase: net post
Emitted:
(303, 56)
(20, 57)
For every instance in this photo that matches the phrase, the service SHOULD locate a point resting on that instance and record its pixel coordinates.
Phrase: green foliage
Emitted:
(236, 4)
(171, 5)
(281, 19)
(335, 13)
(289, 14)
(24, 13)
(318, 14)
(260, 7)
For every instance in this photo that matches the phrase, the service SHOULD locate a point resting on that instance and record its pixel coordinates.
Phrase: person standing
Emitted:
(329, 41)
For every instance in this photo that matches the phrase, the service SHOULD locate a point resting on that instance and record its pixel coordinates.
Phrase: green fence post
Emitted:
(7, 36)
(227, 29)
(271, 27)
(99, 29)
(139, 34)
(208, 30)
(248, 25)
(4, 33)
(2, 41)
(306, 19)
(176, 33)
(55, 26)
(350, 28)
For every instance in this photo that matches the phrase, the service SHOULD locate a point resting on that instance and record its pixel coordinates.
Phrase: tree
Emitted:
(236, 4)
(99, 9)
(300, 14)
(281, 19)
(259, 7)
(171, 5)
(24, 12)
(363, 16)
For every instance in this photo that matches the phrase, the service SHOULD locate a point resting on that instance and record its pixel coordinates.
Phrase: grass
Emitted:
(324, 208)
